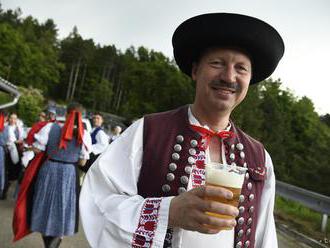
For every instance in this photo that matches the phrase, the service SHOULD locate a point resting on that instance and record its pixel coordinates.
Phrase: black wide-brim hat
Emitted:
(260, 41)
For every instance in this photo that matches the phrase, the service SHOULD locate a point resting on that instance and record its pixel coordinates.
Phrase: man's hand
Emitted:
(187, 210)
(35, 150)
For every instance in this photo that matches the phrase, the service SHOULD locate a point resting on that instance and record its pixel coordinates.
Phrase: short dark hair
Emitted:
(13, 113)
(98, 113)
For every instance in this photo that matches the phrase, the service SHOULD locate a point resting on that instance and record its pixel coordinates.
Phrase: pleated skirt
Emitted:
(54, 208)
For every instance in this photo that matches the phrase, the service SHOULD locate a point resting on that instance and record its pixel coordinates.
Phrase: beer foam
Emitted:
(223, 175)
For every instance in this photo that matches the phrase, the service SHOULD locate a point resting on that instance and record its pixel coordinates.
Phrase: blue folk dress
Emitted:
(55, 200)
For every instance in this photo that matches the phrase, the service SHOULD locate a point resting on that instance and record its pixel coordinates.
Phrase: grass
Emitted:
(300, 218)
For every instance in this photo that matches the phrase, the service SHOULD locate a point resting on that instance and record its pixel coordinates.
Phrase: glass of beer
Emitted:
(225, 176)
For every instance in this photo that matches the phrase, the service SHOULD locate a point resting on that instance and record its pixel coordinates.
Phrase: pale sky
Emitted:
(303, 24)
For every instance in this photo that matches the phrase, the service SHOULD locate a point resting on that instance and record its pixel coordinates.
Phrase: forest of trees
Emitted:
(140, 81)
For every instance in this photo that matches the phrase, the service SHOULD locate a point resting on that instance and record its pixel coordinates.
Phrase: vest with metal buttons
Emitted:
(172, 152)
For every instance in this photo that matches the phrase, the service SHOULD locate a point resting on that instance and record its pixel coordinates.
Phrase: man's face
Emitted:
(222, 78)
(117, 130)
(42, 117)
(97, 120)
(13, 119)
(51, 116)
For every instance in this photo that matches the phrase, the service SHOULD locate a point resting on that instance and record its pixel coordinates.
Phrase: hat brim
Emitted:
(259, 40)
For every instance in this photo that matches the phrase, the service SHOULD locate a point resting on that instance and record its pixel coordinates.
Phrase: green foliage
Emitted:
(302, 218)
(29, 51)
(292, 133)
(152, 84)
(30, 104)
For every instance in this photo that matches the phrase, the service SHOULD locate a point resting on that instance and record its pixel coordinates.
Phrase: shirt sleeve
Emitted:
(86, 147)
(110, 206)
(266, 231)
(21, 133)
(102, 141)
(11, 137)
(41, 138)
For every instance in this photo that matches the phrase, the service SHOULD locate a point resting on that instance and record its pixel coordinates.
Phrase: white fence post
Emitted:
(324, 222)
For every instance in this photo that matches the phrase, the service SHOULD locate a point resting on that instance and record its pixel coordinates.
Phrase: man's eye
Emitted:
(217, 63)
(243, 68)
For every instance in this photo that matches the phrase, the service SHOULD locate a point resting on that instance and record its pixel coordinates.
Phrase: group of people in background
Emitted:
(47, 162)
(16, 144)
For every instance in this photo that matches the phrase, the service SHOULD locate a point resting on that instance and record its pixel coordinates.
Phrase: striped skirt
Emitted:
(54, 208)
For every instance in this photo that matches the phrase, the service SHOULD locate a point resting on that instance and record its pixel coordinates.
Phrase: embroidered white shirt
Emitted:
(110, 206)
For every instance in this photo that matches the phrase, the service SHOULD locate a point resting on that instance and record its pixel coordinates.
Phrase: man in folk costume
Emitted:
(54, 211)
(147, 189)
(100, 140)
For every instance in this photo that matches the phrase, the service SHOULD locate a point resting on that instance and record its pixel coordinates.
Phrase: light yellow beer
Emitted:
(219, 175)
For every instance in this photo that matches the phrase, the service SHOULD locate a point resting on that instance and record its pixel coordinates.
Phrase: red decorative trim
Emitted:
(198, 170)
(145, 232)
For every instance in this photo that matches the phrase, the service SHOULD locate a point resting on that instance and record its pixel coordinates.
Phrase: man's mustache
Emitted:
(221, 83)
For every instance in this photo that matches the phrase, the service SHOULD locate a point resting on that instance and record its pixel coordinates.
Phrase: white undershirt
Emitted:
(194, 239)
(102, 141)
(110, 206)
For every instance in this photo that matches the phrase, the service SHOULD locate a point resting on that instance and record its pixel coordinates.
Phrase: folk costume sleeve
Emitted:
(112, 213)
(266, 231)
(10, 143)
(86, 147)
(11, 136)
(102, 141)
(42, 137)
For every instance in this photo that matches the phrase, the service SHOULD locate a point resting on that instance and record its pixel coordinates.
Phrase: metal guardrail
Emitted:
(10, 89)
(319, 203)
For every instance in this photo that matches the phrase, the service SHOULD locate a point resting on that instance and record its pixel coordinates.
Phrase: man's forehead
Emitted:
(218, 51)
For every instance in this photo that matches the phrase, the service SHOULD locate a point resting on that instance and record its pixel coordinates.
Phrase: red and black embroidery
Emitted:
(145, 231)
(198, 169)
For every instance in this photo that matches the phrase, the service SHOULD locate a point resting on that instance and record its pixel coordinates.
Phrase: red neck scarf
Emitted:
(2, 122)
(67, 130)
(207, 134)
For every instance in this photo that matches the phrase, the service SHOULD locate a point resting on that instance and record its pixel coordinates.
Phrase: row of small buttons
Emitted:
(170, 177)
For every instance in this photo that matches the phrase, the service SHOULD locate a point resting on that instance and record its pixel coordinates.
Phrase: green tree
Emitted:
(30, 104)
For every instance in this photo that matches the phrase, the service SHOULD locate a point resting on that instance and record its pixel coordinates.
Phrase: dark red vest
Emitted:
(169, 151)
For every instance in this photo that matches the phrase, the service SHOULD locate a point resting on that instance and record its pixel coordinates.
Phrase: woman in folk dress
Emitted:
(55, 199)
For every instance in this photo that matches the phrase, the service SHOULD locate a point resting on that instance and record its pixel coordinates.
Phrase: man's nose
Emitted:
(228, 74)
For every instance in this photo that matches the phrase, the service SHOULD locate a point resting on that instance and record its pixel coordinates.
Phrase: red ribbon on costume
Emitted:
(2, 122)
(23, 206)
(207, 134)
(34, 129)
(67, 130)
